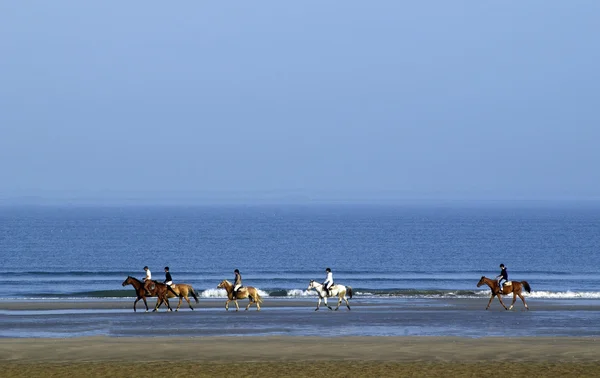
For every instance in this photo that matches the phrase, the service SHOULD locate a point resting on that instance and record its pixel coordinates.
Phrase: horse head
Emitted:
(312, 284)
(127, 281)
(481, 281)
(223, 285)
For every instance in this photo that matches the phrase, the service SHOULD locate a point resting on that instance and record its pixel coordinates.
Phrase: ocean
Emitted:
(409, 251)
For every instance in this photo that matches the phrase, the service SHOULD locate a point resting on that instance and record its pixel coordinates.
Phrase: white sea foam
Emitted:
(262, 293)
(214, 293)
(551, 294)
(301, 293)
(221, 293)
(564, 294)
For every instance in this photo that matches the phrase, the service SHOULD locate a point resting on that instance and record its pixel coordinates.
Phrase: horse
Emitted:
(159, 290)
(244, 292)
(183, 291)
(516, 287)
(335, 290)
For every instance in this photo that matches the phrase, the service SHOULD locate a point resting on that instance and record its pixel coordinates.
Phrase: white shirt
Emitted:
(148, 274)
(329, 278)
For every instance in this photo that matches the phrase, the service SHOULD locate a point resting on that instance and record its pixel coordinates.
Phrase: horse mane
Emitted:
(133, 278)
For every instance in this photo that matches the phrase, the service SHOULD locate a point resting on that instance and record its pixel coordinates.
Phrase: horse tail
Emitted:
(194, 293)
(349, 291)
(258, 298)
(526, 286)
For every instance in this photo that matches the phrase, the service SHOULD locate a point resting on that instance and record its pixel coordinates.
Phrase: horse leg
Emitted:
(250, 300)
(347, 304)
(339, 303)
(237, 307)
(188, 301)
(490, 302)
(325, 301)
(318, 304)
(227, 304)
(513, 302)
(167, 302)
(523, 299)
(145, 303)
(502, 303)
(135, 303)
(158, 303)
(179, 304)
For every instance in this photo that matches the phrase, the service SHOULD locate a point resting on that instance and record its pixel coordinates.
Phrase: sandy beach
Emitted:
(300, 356)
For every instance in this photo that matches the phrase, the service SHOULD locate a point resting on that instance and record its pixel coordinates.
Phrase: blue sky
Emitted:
(313, 100)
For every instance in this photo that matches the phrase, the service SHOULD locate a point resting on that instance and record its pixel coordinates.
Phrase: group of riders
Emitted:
(327, 284)
(169, 280)
(237, 281)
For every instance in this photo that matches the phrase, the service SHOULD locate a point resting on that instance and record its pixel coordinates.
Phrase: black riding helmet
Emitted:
(166, 268)
(501, 265)
(146, 267)
(236, 271)
(327, 270)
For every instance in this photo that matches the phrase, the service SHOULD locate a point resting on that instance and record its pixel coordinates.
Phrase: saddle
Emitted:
(507, 283)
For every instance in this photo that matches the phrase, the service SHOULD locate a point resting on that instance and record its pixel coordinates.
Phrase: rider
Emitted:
(147, 280)
(237, 283)
(328, 281)
(168, 279)
(503, 276)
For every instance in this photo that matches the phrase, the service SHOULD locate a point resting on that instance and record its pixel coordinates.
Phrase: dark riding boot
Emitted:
(234, 295)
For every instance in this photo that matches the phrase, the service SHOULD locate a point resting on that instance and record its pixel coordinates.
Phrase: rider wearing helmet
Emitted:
(147, 280)
(328, 281)
(237, 283)
(168, 279)
(503, 276)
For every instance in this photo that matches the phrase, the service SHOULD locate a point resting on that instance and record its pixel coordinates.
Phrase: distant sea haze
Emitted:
(416, 251)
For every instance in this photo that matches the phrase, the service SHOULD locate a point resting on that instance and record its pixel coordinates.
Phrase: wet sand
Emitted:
(300, 356)
(443, 304)
(296, 317)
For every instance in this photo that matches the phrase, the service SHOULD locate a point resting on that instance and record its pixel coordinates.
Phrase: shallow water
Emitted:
(464, 318)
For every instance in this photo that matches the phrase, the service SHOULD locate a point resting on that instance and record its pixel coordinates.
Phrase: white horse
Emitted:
(335, 291)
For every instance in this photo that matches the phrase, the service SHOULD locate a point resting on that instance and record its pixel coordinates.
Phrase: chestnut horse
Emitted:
(244, 292)
(159, 290)
(183, 291)
(516, 287)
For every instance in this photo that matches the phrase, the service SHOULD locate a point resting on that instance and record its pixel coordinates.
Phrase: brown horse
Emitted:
(515, 287)
(244, 292)
(158, 290)
(183, 291)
